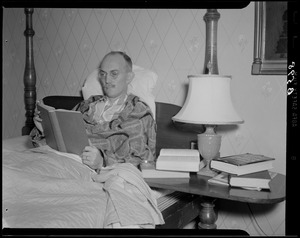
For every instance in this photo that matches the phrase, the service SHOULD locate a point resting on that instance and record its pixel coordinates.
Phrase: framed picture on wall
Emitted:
(270, 38)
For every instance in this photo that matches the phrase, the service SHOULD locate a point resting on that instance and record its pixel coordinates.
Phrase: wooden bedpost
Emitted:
(29, 75)
(211, 19)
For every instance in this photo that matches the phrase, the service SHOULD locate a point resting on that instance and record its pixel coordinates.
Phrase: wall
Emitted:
(69, 43)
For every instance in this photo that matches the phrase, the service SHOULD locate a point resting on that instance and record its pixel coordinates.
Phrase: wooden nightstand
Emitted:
(208, 193)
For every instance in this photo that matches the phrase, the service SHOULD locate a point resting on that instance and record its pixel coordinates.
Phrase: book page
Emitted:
(179, 152)
(178, 159)
(46, 107)
(221, 179)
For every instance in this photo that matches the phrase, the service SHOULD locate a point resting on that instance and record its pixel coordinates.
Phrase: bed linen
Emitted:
(19, 143)
(42, 188)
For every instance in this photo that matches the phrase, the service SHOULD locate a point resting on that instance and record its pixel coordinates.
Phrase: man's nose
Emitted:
(108, 78)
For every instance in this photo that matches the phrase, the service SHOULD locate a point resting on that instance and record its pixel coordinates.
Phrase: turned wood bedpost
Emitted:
(29, 75)
(211, 19)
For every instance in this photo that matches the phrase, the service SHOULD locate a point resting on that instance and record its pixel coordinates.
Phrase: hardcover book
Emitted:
(258, 180)
(242, 164)
(64, 129)
(178, 160)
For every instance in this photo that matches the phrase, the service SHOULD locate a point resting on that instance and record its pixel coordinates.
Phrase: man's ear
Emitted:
(130, 77)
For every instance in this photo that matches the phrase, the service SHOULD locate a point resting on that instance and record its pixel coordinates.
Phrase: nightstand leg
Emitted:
(207, 215)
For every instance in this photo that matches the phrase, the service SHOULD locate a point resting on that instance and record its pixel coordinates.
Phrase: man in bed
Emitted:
(119, 125)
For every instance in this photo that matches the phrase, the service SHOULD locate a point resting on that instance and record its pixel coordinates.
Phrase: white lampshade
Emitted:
(208, 102)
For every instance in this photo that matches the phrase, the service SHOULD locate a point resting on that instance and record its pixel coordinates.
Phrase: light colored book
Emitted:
(154, 173)
(64, 129)
(258, 180)
(242, 164)
(187, 160)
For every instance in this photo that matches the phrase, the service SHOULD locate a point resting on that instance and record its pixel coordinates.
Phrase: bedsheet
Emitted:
(45, 189)
(132, 201)
(19, 143)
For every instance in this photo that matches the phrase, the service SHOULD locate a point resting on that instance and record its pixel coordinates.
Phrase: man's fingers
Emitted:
(37, 118)
(91, 149)
(87, 148)
(86, 154)
(87, 162)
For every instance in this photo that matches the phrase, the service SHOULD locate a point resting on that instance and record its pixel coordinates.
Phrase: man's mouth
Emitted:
(109, 86)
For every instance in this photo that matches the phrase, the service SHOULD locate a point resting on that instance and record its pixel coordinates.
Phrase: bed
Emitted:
(46, 189)
(178, 209)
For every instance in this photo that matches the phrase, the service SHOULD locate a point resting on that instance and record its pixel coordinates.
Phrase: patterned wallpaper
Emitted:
(69, 43)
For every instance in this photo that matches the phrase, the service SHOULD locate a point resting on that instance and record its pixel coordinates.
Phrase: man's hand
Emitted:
(91, 157)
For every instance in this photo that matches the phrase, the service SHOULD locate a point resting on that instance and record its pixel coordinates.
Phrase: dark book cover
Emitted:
(244, 159)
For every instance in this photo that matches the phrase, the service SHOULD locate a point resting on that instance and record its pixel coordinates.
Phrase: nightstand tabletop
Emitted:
(198, 185)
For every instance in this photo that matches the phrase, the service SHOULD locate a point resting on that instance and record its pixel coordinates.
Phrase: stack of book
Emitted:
(175, 163)
(247, 171)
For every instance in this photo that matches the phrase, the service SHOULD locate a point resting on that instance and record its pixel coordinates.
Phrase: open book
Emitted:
(64, 129)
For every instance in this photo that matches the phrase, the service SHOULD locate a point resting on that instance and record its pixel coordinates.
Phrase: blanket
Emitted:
(131, 202)
(43, 189)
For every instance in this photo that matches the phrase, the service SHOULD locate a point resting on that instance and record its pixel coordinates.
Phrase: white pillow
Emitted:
(142, 85)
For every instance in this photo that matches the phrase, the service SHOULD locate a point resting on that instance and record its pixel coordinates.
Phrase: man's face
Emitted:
(114, 76)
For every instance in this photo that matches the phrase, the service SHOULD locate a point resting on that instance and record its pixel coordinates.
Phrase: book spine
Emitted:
(57, 132)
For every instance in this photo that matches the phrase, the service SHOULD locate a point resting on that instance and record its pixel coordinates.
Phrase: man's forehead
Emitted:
(113, 62)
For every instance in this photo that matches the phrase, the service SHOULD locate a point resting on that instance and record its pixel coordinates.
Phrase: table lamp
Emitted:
(208, 103)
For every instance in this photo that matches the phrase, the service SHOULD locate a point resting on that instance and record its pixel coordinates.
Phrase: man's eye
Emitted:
(114, 74)
(102, 74)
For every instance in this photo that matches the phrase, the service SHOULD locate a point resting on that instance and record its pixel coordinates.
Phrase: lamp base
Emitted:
(207, 172)
(209, 144)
